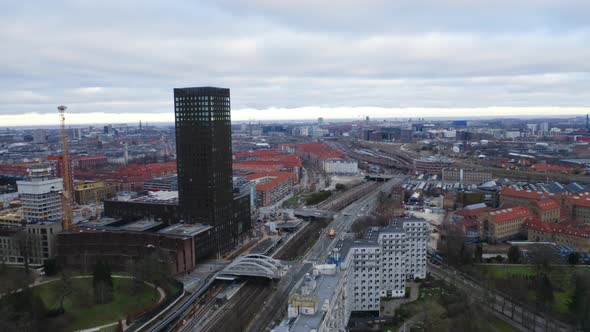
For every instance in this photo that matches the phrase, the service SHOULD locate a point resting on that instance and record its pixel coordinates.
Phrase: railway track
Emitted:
(340, 201)
(202, 308)
(237, 312)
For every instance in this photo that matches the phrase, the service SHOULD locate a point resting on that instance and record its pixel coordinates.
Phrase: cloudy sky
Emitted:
(118, 61)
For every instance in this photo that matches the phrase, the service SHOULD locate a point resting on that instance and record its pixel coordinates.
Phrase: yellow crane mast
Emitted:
(67, 191)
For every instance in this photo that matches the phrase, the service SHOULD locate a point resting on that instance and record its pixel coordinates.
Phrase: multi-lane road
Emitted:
(342, 222)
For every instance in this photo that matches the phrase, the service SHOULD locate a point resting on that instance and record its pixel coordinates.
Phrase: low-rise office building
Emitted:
(466, 175)
(340, 166)
(168, 182)
(118, 243)
(92, 192)
(34, 240)
(432, 165)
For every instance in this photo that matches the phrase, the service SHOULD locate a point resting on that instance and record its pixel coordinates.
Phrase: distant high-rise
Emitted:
(204, 158)
(41, 196)
(39, 136)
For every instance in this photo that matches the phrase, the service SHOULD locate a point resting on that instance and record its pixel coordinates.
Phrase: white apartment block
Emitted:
(41, 199)
(381, 263)
(340, 166)
(365, 271)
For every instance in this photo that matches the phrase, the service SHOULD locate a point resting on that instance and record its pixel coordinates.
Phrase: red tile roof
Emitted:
(254, 166)
(268, 157)
(579, 200)
(256, 153)
(569, 228)
(277, 179)
(547, 204)
(549, 168)
(536, 195)
(509, 214)
(473, 212)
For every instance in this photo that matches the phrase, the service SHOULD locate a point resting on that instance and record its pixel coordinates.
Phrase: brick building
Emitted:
(512, 196)
(578, 207)
(504, 224)
(83, 246)
(271, 187)
(566, 234)
(547, 210)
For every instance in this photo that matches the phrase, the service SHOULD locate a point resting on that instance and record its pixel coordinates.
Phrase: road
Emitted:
(317, 254)
(527, 319)
(344, 220)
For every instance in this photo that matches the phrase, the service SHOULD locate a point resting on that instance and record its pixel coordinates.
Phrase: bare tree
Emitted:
(25, 242)
(65, 289)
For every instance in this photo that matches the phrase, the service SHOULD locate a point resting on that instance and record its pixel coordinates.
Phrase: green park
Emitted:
(70, 301)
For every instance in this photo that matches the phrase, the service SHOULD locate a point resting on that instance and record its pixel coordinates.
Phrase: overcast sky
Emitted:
(291, 59)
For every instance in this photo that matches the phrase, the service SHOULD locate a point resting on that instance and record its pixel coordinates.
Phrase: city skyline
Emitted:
(47, 120)
(294, 58)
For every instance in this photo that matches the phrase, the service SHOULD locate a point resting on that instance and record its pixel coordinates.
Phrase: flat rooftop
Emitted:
(289, 224)
(102, 222)
(326, 286)
(153, 197)
(185, 229)
(141, 225)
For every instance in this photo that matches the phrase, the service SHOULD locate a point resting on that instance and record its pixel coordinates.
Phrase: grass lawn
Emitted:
(293, 201)
(561, 277)
(498, 325)
(561, 301)
(317, 197)
(507, 271)
(84, 313)
(431, 301)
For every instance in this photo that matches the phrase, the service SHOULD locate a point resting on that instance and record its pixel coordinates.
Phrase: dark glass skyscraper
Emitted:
(204, 157)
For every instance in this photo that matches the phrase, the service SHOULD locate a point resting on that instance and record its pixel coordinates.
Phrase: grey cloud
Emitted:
(449, 53)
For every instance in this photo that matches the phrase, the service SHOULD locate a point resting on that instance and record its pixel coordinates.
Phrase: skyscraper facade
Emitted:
(204, 159)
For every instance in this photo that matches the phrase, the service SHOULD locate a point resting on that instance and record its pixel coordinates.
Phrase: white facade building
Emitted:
(364, 272)
(381, 263)
(340, 166)
(512, 134)
(41, 197)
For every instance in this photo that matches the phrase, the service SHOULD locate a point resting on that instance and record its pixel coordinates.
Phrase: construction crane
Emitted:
(67, 191)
